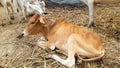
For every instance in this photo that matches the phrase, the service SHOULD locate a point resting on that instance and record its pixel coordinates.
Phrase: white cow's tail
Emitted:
(95, 58)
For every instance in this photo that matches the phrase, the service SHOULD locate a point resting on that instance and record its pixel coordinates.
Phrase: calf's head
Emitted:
(37, 25)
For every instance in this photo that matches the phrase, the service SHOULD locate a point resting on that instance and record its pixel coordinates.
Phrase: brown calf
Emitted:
(69, 38)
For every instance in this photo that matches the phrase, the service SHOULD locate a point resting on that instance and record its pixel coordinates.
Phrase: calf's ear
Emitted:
(41, 20)
(36, 16)
(46, 22)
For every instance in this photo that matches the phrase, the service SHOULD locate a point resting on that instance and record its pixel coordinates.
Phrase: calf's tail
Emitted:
(95, 58)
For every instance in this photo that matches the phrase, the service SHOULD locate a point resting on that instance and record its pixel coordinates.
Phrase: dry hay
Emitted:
(24, 53)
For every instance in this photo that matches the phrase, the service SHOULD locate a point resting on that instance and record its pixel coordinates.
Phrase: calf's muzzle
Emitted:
(20, 35)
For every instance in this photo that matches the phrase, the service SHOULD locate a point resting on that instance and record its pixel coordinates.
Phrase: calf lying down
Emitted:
(69, 38)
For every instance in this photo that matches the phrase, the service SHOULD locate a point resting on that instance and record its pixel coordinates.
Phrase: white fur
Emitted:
(70, 61)
(41, 44)
(42, 38)
(42, 21)
(21, 5)
(12, 5)
(35, 7)
(25, 33)
(52, 47)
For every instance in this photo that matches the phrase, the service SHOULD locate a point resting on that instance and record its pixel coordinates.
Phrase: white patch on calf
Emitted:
(52, 47)
(41, 20)
(42, 38)
(41, 44)
(67, 62)
(25, 33)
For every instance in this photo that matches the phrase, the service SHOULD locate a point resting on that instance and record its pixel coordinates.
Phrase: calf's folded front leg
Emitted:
(45, 44)
(69, 62)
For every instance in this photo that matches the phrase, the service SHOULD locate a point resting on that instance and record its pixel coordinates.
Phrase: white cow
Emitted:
(31, 6)
(90, 4)
(9, 3)
(37, 7)
(23, 6)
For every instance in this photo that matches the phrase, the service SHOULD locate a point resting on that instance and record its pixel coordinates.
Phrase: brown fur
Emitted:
(67, 37)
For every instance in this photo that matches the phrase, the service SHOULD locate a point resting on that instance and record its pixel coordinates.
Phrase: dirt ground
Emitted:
(24, 53)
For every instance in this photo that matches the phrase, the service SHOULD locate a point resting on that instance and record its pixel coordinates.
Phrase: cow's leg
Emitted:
(70, 61)
(91, 13)
(21, 5)
(23, 11)
(6, 11)
(19, 10)
(15, 7)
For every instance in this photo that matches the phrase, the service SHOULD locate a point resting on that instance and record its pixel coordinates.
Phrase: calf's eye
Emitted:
(32, 22)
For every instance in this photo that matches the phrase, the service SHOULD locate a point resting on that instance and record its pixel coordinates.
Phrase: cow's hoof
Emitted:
(89, 25)
(2, 24)
(12, 17)
(10, 22)
(19, 21)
